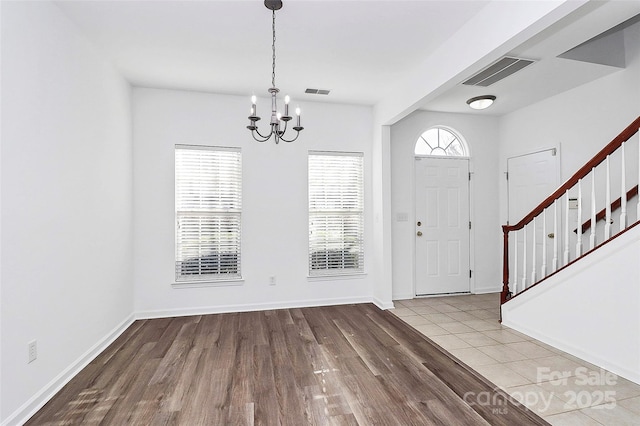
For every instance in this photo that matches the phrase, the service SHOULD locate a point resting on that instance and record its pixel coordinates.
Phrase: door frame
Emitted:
(472, 279)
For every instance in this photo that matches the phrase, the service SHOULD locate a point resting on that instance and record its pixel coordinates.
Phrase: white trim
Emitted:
(345, 276)
(37, 401)
(207, 283)
(208, 147)
(403, 296)
(222, 309)
(384, 306)
(487, 290)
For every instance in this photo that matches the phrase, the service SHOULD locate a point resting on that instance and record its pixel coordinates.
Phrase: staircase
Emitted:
(571, 273)
(596, 205)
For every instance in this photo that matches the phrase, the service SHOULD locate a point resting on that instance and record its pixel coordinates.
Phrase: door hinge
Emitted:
(469, 273)
(469, 175)
(469, 224)
(506, 174)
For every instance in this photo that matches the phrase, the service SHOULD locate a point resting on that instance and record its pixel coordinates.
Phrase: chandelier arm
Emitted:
(290, 140)
(264, 138)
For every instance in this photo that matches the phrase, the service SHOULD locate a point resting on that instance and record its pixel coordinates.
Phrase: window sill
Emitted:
(346, 276)
(209, 283)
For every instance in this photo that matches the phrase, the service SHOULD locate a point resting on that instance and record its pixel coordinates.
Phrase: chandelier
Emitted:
(278, 123)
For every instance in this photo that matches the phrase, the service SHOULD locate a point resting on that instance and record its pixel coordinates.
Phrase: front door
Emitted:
(442, 225)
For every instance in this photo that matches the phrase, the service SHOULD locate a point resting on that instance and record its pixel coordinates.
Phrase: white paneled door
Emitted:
(531, 179)
(442, 225)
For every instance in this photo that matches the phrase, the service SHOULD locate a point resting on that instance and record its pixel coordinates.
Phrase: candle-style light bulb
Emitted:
(286, 105)
(253, 99)
(253, 105)
(298, 114)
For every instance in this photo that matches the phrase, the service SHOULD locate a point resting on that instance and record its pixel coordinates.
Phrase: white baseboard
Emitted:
(606, 364)
(485, 290)
(205, 310)
(36, 402)
(383, 305)
(403, 296)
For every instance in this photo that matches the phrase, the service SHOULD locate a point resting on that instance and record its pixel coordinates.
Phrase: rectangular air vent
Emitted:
(497, 71)
(317, 91)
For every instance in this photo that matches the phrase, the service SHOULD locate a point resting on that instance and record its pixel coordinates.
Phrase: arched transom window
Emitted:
(442, 142)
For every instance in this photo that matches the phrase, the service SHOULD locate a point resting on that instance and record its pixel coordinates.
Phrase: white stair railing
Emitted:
(526, 263)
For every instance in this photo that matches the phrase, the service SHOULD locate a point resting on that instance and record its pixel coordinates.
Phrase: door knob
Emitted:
(551, 235)
(419, 233)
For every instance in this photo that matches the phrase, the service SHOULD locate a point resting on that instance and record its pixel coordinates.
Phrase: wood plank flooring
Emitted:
(338, 365)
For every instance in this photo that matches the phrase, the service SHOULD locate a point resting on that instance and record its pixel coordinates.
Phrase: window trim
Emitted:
(215, 279)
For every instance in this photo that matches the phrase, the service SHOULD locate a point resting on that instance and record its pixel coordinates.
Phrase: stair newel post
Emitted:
(623, 190)
(566, 229)
(607, 217)
(533, 252)
(592, 236)
(524, 258)
(554, 263)
(579, 230)
(505, 294)
(515, 262)
(543, 268)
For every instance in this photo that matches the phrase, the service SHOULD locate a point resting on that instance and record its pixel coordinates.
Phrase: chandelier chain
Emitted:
(273, 48)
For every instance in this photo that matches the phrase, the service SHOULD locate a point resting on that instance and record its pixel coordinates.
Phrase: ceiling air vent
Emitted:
(317, 91)
(499, 70)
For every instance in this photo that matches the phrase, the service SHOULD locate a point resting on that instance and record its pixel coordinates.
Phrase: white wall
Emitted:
(66, 203)
(275, 204)
(481, 134)
(590, 310)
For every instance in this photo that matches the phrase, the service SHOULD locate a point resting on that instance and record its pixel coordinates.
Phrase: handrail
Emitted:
(582, 172)
(614, 206)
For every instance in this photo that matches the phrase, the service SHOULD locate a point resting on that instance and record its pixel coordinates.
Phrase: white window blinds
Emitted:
(336, 220)
(208, 209)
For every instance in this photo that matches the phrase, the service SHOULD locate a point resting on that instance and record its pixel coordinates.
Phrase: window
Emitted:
(442, 142)
(208, 209)
(336, 219)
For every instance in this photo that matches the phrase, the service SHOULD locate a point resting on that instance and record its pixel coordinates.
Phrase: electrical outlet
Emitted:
(272, 280)
(33, 350)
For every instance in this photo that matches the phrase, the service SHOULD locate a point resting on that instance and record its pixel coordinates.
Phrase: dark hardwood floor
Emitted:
(352, 364)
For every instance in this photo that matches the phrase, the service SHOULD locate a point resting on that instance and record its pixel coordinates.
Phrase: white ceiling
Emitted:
(549, 75)
(353, 48)
(349, 47)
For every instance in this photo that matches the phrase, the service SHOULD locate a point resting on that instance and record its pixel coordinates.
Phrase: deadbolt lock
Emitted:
(419, 233)
(419, 223)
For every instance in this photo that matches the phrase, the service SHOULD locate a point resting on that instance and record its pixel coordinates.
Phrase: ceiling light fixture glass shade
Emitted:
(481, 102)
(278, 122)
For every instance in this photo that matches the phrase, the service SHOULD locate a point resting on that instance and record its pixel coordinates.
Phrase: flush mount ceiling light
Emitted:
(278, 121)
(481, 102)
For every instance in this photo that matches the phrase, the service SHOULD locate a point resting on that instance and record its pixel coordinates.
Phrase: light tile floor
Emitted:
(559, 387)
